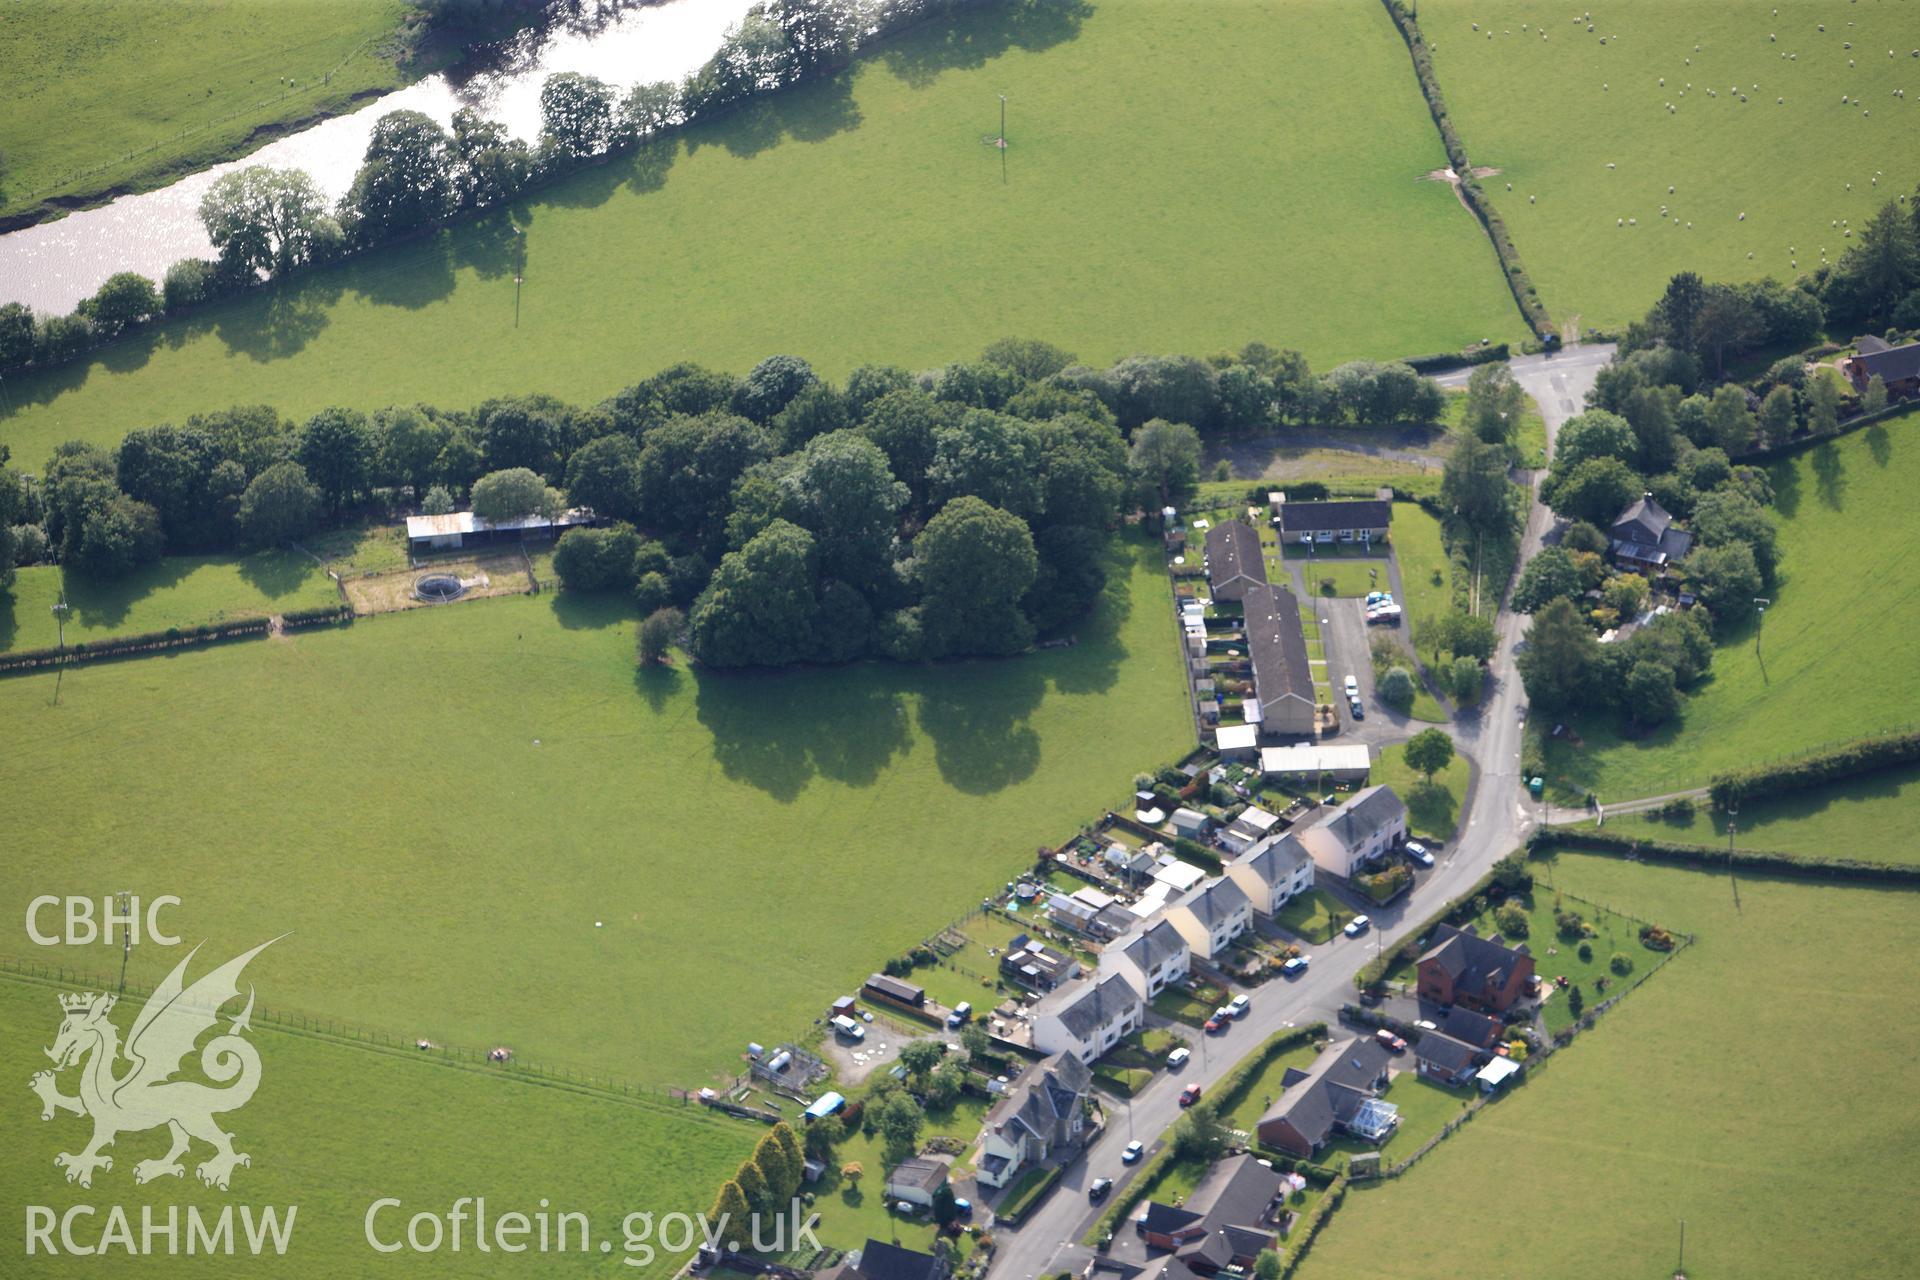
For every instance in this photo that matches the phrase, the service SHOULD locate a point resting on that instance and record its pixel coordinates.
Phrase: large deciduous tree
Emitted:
(761, 606)
(266, 221)
(1164, 464)
(337, 448)
(404, 183)
(975, 561)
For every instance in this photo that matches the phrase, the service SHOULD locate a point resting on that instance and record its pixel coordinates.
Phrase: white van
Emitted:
(848, 1027)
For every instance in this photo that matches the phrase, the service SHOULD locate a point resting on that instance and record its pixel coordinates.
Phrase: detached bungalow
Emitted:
(1898, 367)
(1088, 1017)
(1324, 522)
(1224, 1225)
(878, 1260)
(1339, 1092)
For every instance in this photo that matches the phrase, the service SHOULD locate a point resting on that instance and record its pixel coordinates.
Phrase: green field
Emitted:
(1432, 807)
(1136, 215)
(93, 82)
(1553, 114)
(1330, 577)
(1871, 818)
(483, 826)
(180, 591)
(1700, 1097)
(1843, 628)
(336, 1126)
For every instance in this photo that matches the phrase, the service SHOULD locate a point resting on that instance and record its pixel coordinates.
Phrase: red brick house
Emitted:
(1897, 367)
(1461, 967)
(1228, 1220)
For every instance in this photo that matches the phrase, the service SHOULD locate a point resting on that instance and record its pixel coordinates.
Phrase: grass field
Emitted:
(1136, 215)
(1331, 577)
(1557, 115)
(1432, 807)
(484, 826)
(336, 1126)
(93, 81)
(1677, 1105)
(1871, 818)
(179, 591)
(1844, 624)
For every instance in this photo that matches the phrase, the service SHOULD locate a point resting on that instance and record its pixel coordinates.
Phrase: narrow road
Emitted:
(1497, 818)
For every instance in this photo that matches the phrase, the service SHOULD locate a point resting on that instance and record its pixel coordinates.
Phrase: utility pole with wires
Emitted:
(123, 906)
(1733, 824)
(1001, 140)
(1760, 603)
(60, 667)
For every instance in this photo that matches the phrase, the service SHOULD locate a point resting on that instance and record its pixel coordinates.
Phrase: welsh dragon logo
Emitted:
(146, 1095)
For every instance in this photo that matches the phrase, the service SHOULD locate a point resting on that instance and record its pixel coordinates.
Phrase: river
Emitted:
(55, 264)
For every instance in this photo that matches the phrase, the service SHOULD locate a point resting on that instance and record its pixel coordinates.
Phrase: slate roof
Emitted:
(1893, 364)
(1275, 859)
(920, 1172)
(1233, 559)
(1230, 1207)
(1153, 946)
(1165, 1219)
(1086, 1008)
(1278, 648)
(1450, 1056)
(882, 1261)
(1466, 1025)
(1217, 902)
(1475, 964)
(1365, 812)
(1046, 1099)
(1645, 531)
(1331, 1090)
(1320, 517)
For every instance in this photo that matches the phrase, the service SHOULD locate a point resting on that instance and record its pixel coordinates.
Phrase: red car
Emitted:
(1215, 1023)
(1393, 1042)
(1190, 1095)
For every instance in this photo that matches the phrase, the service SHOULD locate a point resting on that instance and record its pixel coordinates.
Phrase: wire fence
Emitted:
(336, 1030)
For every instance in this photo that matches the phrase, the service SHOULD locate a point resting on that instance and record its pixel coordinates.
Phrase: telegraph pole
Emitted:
(1760, 603)
(1733, 823)
(60, 661)
(123, 903)
(1003, 139)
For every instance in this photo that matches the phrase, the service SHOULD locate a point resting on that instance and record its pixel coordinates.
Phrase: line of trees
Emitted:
(266, 223)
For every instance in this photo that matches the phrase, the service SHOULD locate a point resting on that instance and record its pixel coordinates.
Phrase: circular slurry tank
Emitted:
(438, 588)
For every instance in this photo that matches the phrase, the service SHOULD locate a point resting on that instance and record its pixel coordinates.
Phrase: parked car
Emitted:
(1133, 1153)
(1190, 1095)
(1418, 852)
(1379, 597)
(1352, 687)
(1357, 926)
(1294, 967)
(1178, 1058)
(961, 1013)
(1098, 1188)
(1238, 1006)
(847, 1027)
(1219, 1022)
(963, 1207)
(1425, 1025)
(1392, 1041)
(1369, 998)
(1359, 712)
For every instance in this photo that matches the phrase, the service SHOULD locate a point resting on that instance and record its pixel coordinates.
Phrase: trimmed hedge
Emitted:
(1458, 911)
(1800, 444)
(1304, 1232)
(123, 646)
(1864, 755)
(1442, 361)
(325, 615)
(1027, 1196)
(1524, 294)
(1710, 858)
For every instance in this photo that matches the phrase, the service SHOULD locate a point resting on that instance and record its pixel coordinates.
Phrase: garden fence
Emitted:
(297, 1023)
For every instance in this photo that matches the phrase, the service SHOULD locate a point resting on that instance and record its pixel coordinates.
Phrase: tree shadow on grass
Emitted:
(968, 41)
(277, 573)
(412, 275)
(977, 715)
(1786, 489)
(591, 610)
(659, 685)
(1879, 444)
(1431, 808)
(1093, 664)
(9, 623)
(490, 248)
(105, 603)
(280, 320)
(805, 113)
(1829, 476)
(778, 730)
